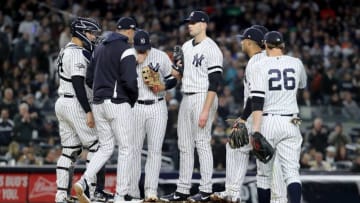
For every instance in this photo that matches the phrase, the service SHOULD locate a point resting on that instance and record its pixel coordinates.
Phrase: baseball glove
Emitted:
(151, 78)
(178, 57)
(239, 135)
(261, 147)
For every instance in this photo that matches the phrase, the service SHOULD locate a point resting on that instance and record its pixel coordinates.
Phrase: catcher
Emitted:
(155, 72)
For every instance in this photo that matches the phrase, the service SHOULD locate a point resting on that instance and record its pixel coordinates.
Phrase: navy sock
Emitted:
(263, 195)
(294, 192)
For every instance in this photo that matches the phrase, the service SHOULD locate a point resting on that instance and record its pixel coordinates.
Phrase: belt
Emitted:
(189, 93)
(68, 96)
(271, 114)
(149, 102)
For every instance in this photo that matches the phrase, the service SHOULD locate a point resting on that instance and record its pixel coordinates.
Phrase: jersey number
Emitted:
(276, 78)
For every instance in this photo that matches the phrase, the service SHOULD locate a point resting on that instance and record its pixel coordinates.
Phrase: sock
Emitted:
(263, 195)
(294, 192)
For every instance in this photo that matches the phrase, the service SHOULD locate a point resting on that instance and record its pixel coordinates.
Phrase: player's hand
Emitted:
(90, 121)
(203, 119)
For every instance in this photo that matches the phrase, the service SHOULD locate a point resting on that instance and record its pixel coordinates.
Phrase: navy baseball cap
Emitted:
(142, 40)
(252, 34)
(125, 23)
(197, 16)
(274, 37)
(263, 29)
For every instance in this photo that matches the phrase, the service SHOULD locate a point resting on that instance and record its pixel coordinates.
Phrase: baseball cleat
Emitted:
(82, 191)
(175, 197)
(103, 196)
(200, 197)
(219, 196)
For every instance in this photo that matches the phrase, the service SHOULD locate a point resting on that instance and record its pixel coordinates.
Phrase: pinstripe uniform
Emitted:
(199, 60)
(74, 133)
(235, 172)
(150, 112)
(277, 82)
(115, 92)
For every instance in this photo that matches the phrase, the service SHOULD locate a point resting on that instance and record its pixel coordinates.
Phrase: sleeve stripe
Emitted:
(215, 70)
(127, 52)
(214, 67)
(259, 92)
(257, 95)
(169, 77)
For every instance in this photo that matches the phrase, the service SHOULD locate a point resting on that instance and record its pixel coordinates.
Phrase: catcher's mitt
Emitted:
(151, 78)
(239, 136)
(178, 57)
(261, 147)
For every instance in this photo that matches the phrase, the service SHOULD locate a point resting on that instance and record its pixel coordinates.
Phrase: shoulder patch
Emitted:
(80, 66)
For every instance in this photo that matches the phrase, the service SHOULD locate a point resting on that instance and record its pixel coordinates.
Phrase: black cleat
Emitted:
(175, 197)
(200, 197)
(103, 196)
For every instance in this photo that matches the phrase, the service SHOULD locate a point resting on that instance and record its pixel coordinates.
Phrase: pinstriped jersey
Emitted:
(72, 61)
(249, 71)
(160, 62)
(278, 80)
(199, 61)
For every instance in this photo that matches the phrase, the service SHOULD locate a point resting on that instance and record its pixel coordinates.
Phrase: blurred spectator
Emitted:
(6, 128)
(30, 27)
(330, 156)
(171, 128)
(24, 125)
(351, 108)
(318, 136)
(319, 164)
(13, 153)
(28, 157)
(337, 136)
(305, 161)
(22, 49)
(341, 153)
(65, 37)
(356, 165)
(51, 157)
(8, 102)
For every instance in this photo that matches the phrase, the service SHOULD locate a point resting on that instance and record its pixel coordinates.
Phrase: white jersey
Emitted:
(160, 62)
(250, 71)
(72, 61)
(278, 80)
(200, 60)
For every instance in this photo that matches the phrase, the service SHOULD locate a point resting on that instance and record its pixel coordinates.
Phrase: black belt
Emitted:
(189, 93)
(270, 114)
(68, 96)
(149, 102)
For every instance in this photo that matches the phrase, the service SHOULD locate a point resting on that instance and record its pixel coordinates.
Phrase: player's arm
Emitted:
(303, 76)
(128, 75)
(215, 79)
(257, 95)
(171, 75)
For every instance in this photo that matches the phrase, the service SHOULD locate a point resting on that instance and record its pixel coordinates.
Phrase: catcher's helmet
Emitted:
(81, 25)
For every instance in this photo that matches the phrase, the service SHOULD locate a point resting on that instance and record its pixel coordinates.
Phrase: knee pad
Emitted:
(71, 152)
(92, 148)
(65, 168)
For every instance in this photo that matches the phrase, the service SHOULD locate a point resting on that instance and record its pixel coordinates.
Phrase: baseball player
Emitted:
(251, 43)
(274, 108)
(202, 74)
(76, 120)
(115, 92)
(150, 112)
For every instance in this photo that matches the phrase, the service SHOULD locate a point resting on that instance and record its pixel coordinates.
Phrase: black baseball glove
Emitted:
(178, 57)
(239, 135)
(262, 149)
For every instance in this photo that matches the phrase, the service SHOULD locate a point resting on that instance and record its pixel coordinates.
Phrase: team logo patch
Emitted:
(154, 68)
(80, 66)
(198, 60)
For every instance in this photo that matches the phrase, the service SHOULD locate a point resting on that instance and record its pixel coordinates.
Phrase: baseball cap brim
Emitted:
(142, 47)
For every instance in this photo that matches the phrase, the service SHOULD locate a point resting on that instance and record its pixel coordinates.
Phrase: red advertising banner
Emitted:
(42, 187)
(13, 187)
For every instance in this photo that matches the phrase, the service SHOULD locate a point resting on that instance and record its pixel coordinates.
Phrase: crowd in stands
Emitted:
(325, 34)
